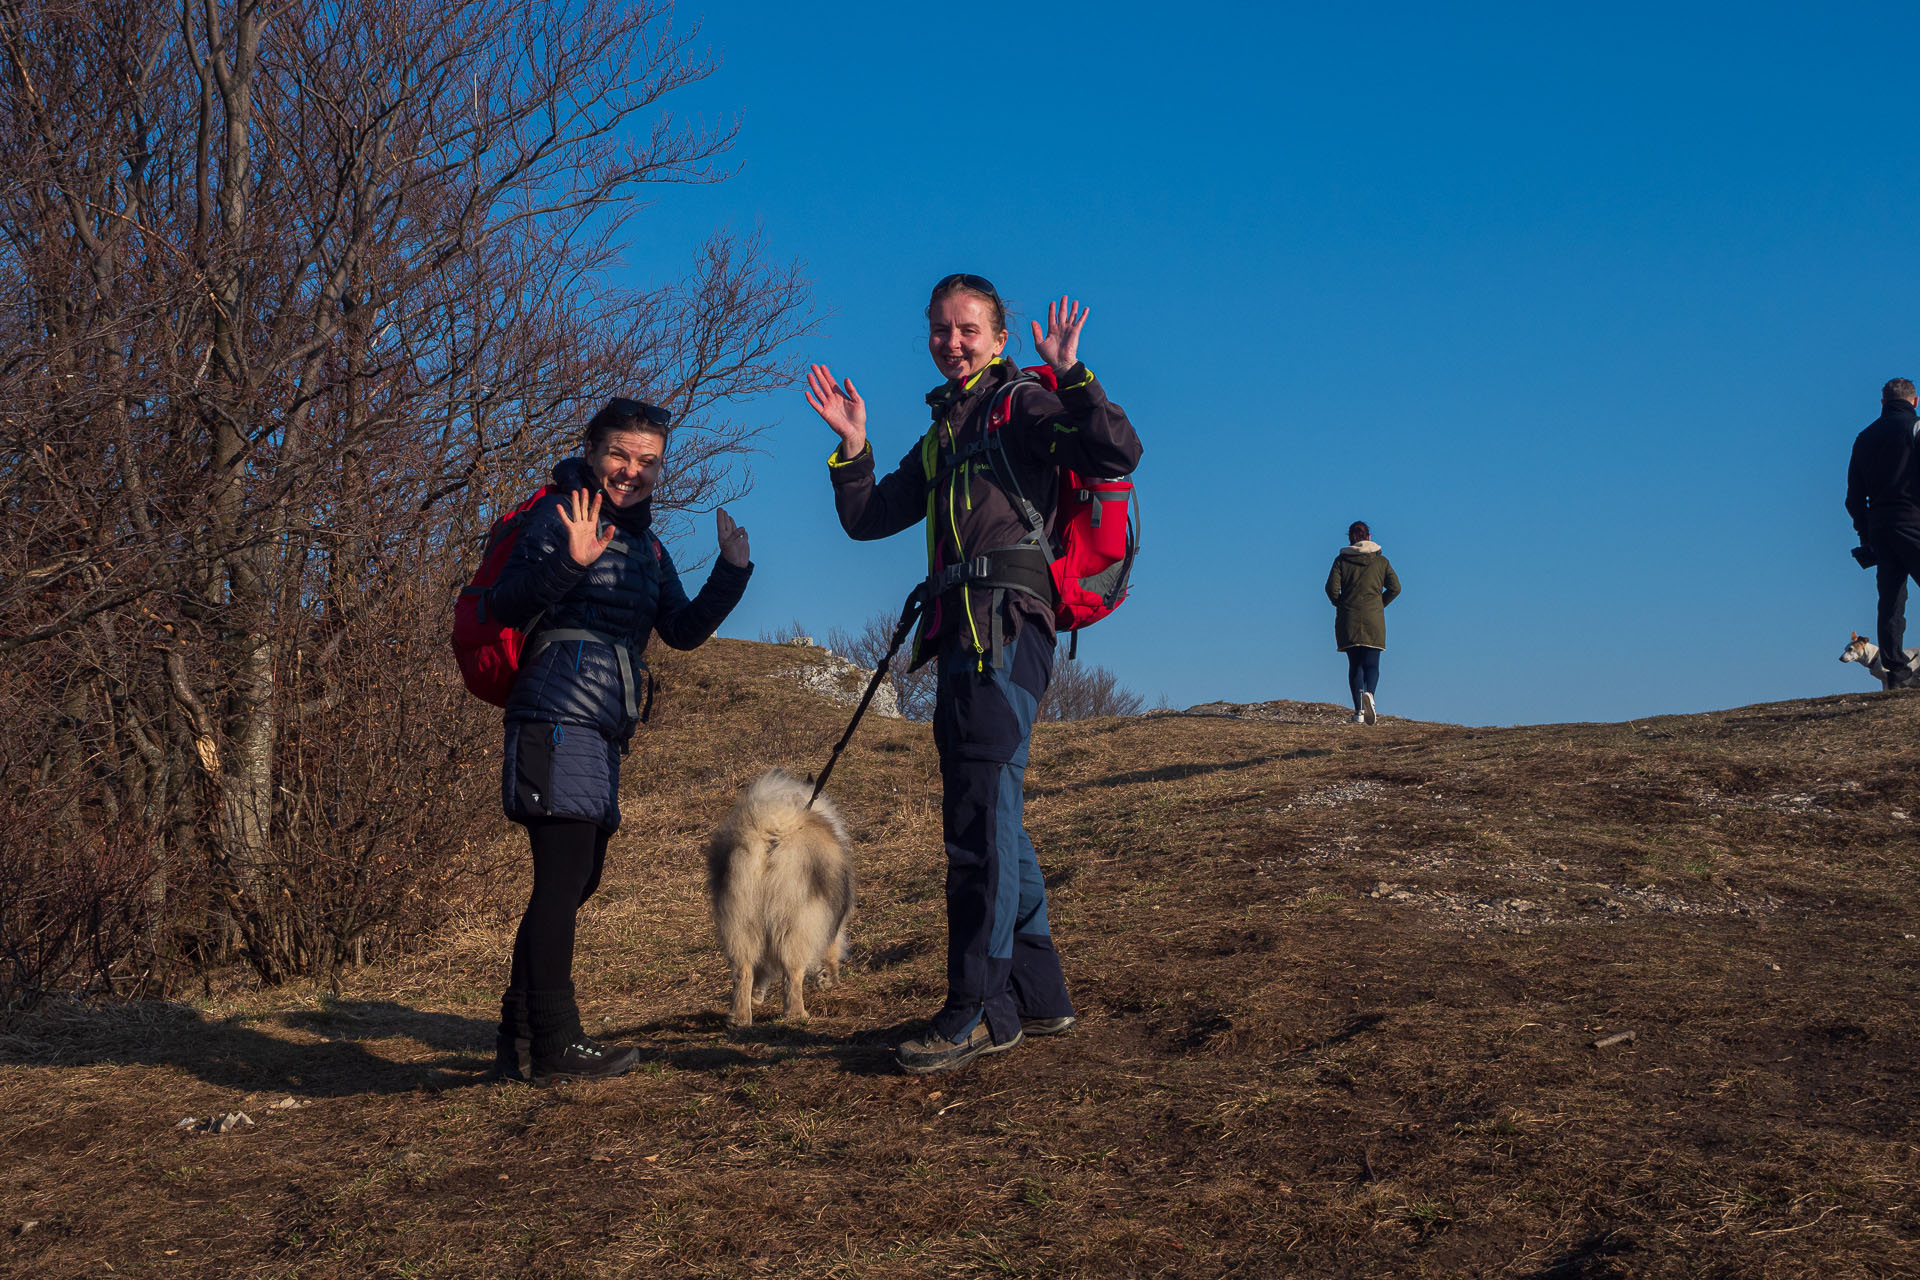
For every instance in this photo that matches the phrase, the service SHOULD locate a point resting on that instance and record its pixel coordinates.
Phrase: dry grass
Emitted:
(1340, 989)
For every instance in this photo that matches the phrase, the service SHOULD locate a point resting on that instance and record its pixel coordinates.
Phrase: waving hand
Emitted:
(1060, 345)
(586, 537)
(840, 407)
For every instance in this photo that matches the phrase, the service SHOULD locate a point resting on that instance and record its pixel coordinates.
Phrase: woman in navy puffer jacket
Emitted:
(587, 581)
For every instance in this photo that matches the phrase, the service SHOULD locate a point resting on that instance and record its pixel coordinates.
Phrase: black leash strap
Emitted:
(916, 602)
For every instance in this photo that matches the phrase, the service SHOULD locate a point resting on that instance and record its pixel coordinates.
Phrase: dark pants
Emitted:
(1000, 958)
(1363, 672)
(568, 857)
(1898, 548)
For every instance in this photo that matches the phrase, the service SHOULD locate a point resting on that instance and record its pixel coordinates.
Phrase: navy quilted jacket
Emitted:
(623, 596)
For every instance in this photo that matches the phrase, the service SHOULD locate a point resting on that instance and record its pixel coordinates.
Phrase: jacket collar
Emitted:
(990, 377)
(1899, 411)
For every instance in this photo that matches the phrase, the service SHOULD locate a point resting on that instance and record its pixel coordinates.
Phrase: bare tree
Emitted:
(298, 295)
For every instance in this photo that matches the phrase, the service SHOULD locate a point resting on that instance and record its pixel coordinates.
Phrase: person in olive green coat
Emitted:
(1361, 585)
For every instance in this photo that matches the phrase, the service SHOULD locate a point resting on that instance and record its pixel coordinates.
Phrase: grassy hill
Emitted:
(1340, 993)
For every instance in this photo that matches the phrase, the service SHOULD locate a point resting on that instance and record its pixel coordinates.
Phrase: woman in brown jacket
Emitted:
(1361, 585)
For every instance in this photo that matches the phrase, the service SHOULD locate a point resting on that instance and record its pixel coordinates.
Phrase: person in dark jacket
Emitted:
(1883, 499)
(988, 499)
(1361, 585)
(588, 582)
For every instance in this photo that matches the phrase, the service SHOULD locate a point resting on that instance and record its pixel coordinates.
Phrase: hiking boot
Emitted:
(585, 1059)
(1047, 1026)
(1367, 712)
(1908, 679)
(934, 1052)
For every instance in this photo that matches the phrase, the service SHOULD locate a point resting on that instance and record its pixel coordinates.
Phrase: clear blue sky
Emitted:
(1579, 308)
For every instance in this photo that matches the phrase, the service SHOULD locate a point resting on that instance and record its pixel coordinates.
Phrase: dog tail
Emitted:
(775, 812)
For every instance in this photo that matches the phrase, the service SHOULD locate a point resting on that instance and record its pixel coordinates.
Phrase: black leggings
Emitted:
(1363, 672)
(568, 856)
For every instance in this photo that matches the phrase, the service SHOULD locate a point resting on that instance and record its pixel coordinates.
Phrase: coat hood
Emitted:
(1366, 548)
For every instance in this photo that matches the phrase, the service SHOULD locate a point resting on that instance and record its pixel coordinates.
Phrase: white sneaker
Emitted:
(1367, 713)
(1357, 719)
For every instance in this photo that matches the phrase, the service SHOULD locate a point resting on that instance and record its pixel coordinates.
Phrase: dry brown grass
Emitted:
(1339, 993)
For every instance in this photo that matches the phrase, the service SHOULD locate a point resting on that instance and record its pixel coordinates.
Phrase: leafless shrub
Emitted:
(1081, 692)
(77, 911)
(296, 298)
(794, 630)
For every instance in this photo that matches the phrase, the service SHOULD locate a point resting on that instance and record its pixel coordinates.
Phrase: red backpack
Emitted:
(489, 650)
(1096, 530)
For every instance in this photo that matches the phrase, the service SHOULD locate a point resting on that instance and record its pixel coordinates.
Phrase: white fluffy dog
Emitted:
(781, 881)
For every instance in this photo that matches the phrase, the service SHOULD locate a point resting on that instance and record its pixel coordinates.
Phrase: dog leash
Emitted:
(916, 603)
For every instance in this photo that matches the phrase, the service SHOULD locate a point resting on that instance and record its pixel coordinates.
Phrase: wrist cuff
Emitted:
(1076, 377)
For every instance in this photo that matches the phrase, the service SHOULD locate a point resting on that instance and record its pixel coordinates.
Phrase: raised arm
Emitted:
(868, 509)
(686, 624)
(1076, 426)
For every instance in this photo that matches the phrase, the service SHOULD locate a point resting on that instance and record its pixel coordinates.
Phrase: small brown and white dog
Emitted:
(781, 881)
(1867, 653)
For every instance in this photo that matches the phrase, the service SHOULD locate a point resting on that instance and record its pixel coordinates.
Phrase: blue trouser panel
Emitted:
(1363, 672)
(1899, 550)
(1000, 958)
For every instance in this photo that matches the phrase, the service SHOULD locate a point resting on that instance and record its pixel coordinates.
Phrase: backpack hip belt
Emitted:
(1017, 568)
(1025, 567)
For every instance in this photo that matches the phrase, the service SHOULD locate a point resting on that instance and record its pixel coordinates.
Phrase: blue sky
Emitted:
(1580, 309)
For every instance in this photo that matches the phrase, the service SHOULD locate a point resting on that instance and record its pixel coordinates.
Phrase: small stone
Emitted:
(26, 1226)
(230, 1121)
(285, 1104)
(187, 1122)
(1774, 967)
(1899, 815)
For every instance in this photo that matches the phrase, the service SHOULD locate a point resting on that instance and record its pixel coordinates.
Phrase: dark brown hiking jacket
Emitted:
(966, 503)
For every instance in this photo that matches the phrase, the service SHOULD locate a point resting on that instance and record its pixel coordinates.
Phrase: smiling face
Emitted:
(627, 465)
(962, 336)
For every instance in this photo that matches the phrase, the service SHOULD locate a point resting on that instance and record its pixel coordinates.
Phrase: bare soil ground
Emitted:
(1340, 993)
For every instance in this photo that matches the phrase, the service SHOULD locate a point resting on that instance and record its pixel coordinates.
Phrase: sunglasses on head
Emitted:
(967, 280)
(641, 409)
